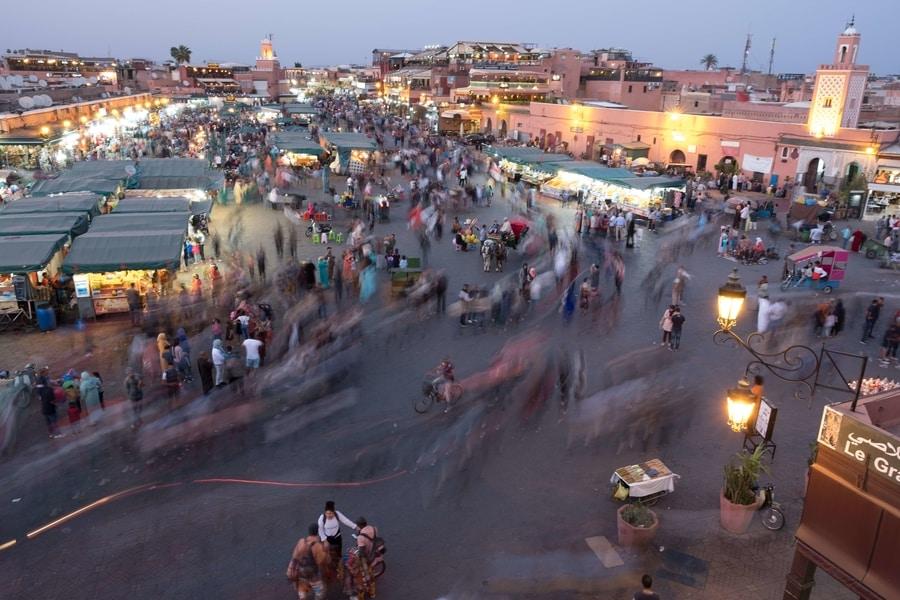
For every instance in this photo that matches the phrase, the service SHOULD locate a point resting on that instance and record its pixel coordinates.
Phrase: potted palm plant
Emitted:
(636, 525)
(739, 500)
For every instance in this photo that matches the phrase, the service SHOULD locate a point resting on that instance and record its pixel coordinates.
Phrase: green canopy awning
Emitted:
(349, 141)
(137, 221)
(69, 181)
(296, 141)
(147, 204)
(593, 170)
(69, 223)
(297, 108)
(647, 183)
(107, 251)
(28, 253)
(85, 202)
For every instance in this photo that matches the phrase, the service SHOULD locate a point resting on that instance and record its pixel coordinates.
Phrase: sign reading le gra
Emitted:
(861, 442)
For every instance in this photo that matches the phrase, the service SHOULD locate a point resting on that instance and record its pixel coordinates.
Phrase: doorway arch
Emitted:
(852, 171)
(551, 141)
(677, 157)
(488, 126)
(815, 170)
(503, 128)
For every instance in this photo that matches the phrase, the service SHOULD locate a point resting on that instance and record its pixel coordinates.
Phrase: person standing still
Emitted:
(646, 592)
(872, 313)
(135, 307)
(134, 390)
(677, 322)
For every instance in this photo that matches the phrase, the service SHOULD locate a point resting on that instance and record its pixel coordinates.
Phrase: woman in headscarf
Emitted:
(218, 361)
(90, 394)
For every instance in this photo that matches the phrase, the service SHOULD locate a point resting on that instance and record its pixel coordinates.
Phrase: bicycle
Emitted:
(771, 515)
(431, 394)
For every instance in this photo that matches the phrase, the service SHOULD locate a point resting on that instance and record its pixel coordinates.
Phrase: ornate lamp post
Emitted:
(796, 363)
(741, 405)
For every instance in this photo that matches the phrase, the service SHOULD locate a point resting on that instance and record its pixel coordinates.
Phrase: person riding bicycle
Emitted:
(445, 378)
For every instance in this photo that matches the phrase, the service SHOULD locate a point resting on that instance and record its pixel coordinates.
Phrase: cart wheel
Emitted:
(826, 289)
(772, 518)
(785, 284)
(309, 231)
(871, 253)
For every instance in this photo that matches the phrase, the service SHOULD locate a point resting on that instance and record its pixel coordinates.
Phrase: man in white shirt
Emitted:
(251, 349)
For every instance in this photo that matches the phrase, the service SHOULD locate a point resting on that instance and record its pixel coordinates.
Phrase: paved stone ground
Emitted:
(511, 524)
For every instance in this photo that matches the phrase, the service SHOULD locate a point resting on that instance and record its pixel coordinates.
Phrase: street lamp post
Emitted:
(796, 363)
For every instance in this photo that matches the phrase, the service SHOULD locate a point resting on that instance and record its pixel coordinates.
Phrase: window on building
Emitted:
(645, 89)
(696, 103)
(827, 103)
(784, 152)
(654, 141)
(629, 89)
(638, 137)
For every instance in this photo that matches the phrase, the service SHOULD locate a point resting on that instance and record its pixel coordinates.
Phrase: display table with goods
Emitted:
(104, 264)
(647, 480)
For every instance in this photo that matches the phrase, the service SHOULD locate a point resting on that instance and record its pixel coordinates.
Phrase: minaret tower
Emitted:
(838, 94)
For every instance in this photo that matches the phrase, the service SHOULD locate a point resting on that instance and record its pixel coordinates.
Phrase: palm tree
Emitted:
(709, 61)
(181, 54)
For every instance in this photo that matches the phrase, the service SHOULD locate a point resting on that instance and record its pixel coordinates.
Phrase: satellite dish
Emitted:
(26, 102)
(130, 170)
(186, 83)
(18, 80)
(4, 84)
(32, 78)
(48, 101)
(126, 90)
(93, 80)
(42, 83)
(154, 75)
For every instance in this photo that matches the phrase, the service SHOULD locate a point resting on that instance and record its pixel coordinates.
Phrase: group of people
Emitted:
(82, 395)
(318, 562)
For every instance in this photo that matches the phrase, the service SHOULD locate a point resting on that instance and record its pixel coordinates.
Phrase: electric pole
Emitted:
(772, 56)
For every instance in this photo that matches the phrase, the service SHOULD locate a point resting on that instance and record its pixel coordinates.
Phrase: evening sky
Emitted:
(670, 34)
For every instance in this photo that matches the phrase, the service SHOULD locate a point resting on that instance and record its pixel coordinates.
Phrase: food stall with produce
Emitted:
(351, 151)
(104, 264)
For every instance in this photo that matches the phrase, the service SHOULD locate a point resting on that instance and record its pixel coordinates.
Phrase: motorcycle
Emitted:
(317, 228)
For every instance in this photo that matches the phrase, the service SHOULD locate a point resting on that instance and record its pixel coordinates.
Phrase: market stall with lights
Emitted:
(351, 151)
(611, 187)
(530, 164)
(297, 149)
(45, 147)
(104, 264)
(23, 261)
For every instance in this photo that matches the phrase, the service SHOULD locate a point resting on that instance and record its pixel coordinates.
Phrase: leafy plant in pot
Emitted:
(636, 525)
(739, 500)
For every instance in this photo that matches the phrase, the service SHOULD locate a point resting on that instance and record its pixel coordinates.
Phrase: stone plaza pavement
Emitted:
(516, 530)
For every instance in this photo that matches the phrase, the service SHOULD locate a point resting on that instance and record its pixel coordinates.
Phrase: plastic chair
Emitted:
(339, 237)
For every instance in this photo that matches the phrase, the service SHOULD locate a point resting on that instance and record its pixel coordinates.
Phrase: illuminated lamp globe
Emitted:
(741, 403)
(45, 131)
(731, 299)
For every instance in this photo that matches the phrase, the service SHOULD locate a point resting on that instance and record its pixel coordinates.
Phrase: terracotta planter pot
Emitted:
(736, 518)
(635, 537)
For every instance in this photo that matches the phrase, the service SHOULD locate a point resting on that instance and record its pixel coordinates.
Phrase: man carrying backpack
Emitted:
(310, 565)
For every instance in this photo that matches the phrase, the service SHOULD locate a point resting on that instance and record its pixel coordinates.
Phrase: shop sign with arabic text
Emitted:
(861, 442)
